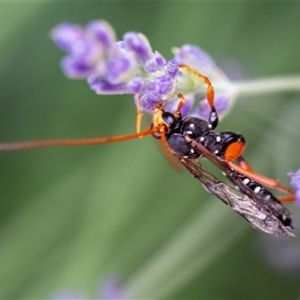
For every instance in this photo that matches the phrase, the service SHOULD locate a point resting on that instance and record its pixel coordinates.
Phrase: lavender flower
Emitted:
(86, 47)
(131, 66)
(295, 183)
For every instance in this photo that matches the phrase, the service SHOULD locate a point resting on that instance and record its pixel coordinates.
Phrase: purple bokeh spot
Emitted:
(111, 289)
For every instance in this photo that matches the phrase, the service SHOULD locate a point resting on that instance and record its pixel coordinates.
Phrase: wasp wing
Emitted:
(259, 215)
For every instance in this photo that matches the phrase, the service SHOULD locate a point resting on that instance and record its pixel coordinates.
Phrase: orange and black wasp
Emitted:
(189, 138)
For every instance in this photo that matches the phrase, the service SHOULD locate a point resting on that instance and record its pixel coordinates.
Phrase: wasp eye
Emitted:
(169, 119)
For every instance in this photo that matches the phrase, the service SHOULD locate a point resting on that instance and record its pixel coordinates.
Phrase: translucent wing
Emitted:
(258, 214)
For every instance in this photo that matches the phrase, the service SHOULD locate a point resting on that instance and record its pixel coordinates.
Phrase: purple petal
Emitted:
(160, 60)
(119, 69)
(297, 197)
(121, 46)
(65, 35)
(148, 101)
(135, 85)
(86, 49)
(295, 179)
(83, 58)
(185, 109)
(156, 90)
(74, 68)
(139, 44)
(295, 183)
(171, 68)
(102, 86)
(193, 56)
(162, 85)
(172, 104)
(103, 32)
(222, 104)
(151, 66)
(154, 63)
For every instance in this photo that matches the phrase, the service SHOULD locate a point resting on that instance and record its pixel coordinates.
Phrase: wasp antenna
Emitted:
(73, 142)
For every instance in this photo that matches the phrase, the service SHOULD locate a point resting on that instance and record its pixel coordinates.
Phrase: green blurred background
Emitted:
(72, 216)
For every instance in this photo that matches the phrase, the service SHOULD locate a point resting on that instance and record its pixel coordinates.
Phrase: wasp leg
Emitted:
(139, 115)
(244, 164)
(269, 182)
(286, 199)
(213, 119)
(182, 101)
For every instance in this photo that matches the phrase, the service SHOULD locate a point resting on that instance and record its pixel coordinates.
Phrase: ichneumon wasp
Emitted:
(190, 138)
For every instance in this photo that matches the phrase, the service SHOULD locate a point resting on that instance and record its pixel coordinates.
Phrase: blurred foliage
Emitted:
(71, 216)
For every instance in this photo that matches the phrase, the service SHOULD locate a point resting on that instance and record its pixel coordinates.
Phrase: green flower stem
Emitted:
(193, 247)
(268, 85)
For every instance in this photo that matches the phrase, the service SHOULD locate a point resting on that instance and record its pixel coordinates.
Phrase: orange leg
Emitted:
(244, 164)
(234, 152)
(180, 104)
(139, 113)
(261, 179)
(210, 94)
(286, 199)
